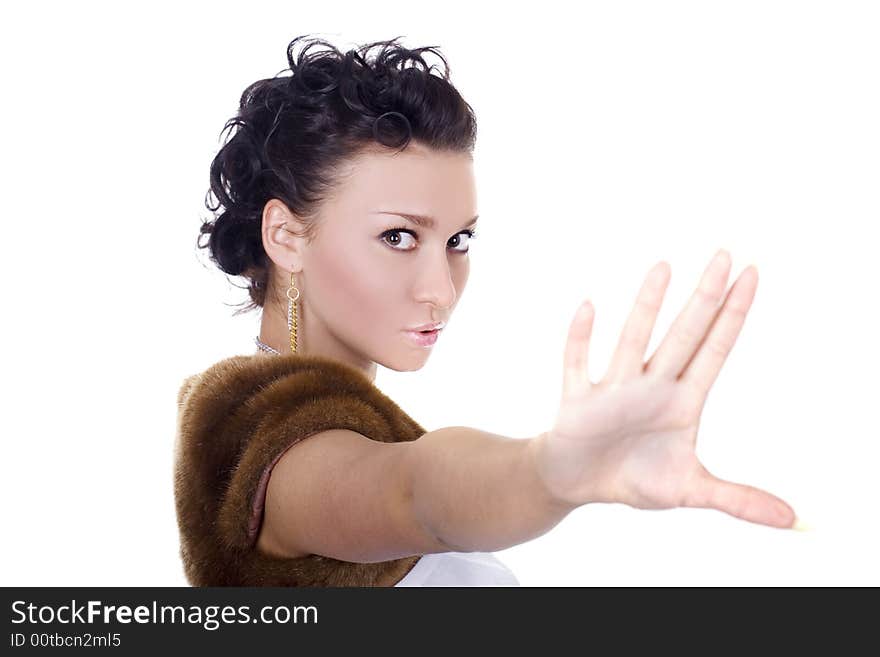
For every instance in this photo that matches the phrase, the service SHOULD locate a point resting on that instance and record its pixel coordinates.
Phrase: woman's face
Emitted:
(363, 284)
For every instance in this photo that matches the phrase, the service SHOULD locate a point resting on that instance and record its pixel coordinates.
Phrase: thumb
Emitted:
(739, 500)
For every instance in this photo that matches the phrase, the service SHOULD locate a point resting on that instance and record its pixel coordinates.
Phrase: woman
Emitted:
(347, 199)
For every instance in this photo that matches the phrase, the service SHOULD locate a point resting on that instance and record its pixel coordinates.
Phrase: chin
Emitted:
(405, 364)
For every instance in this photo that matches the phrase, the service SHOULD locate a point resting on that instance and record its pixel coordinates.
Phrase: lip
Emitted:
(428, 327)
(424, 339)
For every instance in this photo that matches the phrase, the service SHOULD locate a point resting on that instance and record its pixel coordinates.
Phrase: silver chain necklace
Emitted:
(262, 346)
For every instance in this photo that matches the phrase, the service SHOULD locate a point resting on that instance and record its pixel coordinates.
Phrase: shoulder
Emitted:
(239, 417)
(237, 378)
(261, 397)
(241, 376)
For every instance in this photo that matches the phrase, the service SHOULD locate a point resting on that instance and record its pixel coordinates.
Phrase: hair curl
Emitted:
(291, 132)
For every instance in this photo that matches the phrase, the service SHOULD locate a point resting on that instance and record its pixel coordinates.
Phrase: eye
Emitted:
(394, 237)
(468, 235)
(397, 233)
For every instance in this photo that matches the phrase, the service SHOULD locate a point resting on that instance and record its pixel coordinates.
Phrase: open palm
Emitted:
(631, 438)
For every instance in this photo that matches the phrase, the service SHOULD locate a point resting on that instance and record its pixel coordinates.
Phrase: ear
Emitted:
(283, 236)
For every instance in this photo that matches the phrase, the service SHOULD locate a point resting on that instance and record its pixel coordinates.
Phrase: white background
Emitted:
(611, 136)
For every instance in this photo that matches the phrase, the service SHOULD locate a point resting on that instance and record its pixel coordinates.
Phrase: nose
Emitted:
(435, 284)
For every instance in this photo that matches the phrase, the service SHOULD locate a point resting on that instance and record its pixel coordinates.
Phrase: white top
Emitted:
(459, 569)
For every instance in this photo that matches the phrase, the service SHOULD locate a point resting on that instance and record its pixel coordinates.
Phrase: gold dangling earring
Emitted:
(291, 312)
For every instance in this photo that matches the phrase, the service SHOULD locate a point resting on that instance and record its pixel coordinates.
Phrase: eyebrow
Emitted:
(422, 220)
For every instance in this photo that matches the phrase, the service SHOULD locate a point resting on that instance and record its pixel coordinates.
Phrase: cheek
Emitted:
(351, 286)
(460, 275)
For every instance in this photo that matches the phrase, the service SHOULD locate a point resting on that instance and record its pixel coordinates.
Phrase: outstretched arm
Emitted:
(477, 491)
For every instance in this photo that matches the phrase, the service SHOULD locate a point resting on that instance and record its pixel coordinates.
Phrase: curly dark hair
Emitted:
(291, 132)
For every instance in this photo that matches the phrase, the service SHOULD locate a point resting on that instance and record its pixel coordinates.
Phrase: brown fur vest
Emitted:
(235, 420)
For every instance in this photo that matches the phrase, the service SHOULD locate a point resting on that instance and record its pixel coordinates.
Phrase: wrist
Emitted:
(540, 461)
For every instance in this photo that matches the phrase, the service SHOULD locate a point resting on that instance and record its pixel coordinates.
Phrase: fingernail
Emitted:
(800, 525)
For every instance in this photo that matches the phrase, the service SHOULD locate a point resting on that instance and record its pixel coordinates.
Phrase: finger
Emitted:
(575, 377)
(689, 328)
(703, 369)
(739, 500)
(629, 357)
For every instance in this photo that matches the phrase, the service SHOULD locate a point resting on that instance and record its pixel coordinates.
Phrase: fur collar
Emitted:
(234, 422)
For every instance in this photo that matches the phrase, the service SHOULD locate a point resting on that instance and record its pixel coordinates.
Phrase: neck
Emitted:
(312, 339)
